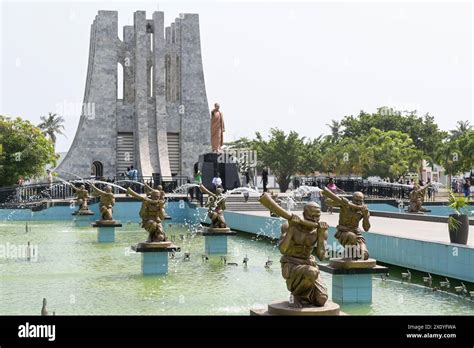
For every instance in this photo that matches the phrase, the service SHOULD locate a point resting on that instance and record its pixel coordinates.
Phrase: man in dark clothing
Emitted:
(265, 179)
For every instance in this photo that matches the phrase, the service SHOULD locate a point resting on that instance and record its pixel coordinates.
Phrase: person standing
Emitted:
(265, 179)
(217, 129)
(467, 188)
(50, 178)
(334, 189)
(198, 181)
(216, 182)
(430, 189)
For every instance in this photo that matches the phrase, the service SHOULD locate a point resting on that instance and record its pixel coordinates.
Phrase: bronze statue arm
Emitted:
(285, 238)
(365, 221)
(340, 201)
(423, 188)
(135, 195)
(267, 201)
(334, 199)
(206, 191)
(94, 188)
(148, 188)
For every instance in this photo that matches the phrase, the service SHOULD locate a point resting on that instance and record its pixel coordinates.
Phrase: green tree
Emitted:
(283, 153)
(456, 154)
(461, 128)
(311, 160)
(52, 125)
(24, 149)
(423, 131)
(343, 158)
(336, 131)
(388, 154)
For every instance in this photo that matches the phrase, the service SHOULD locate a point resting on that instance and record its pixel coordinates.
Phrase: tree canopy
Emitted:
(25, 151)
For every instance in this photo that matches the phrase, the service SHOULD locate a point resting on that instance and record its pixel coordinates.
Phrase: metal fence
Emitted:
(370, 189)
(61, 190)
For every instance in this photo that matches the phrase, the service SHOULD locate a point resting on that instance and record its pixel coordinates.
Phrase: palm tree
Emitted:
(461, 128)
(335, 130)
(52, 125)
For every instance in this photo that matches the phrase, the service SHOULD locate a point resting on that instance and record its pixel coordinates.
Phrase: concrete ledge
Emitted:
(373, 270)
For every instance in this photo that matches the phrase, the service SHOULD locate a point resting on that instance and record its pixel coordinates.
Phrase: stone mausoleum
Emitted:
(162, 122)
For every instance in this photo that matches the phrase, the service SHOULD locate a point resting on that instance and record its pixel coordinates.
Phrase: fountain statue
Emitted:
(150, 214)
(417, 198)
(82, 197)
(298, 239)
(348, 231)
(216, 206)
(107, 201)
(161, 196)
(156, 248)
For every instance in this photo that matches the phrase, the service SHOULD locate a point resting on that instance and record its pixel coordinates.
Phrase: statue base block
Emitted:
(283, 308)
(106, 231)
(155, 256)
(352, 284)
(82, 220)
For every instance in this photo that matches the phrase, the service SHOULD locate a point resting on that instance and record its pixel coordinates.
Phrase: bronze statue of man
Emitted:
(150, 214)
(161, 197)
(107, 201)
(216, 206)
(217, 129)
(417, 198)
(348, 232)
(298, 239)
(82, 196)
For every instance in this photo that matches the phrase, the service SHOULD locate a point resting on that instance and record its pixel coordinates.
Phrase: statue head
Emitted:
(155, 195)
(216, 106)
(312, 212)
(159, 188)
(82, 187)
(219, 191)
(358, 198)
(108, 189)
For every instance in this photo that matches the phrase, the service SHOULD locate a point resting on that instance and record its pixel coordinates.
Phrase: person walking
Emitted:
(264, 179)
(467, 188)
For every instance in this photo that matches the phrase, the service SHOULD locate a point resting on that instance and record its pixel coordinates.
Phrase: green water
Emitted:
(79, 276)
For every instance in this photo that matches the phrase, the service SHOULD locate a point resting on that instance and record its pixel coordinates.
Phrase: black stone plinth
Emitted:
(84, 212)
(142, 248)
(210, 231)
(212, 163)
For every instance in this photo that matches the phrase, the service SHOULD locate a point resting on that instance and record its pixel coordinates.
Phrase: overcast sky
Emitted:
(269, 64)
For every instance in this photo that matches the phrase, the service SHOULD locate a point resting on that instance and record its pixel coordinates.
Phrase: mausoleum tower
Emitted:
(145, 100)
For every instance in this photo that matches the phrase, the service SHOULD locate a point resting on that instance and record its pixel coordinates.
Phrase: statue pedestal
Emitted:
(106, 231)
(82, 218)
(224, 164)
(155, 256)
(352, 279)
(283, 308)
(215, 240)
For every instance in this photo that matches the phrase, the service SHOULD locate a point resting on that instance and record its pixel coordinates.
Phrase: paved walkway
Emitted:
(412, 229)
